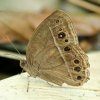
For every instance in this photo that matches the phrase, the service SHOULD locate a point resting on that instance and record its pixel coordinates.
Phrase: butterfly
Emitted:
(53, 53)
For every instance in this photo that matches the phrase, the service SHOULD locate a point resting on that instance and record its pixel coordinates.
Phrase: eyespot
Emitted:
(66, 49)
(79, 77)
(61, 35)
(57, 21)
(77, 69)
(76, 61)
(66, 40)
(60, 29)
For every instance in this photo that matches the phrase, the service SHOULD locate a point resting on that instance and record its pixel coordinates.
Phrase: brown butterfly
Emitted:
(53, 52)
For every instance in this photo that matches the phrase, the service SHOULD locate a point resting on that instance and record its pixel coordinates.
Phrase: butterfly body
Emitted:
(53, 52)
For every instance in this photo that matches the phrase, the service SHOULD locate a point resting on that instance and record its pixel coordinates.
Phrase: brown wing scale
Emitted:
(53, 52)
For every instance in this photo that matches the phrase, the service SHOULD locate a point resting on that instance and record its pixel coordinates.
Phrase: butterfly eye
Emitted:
(76, 61)
(66, 40)
(77, 69)
(66, 49)
(79, 77)
(23, 63)
(61, 35)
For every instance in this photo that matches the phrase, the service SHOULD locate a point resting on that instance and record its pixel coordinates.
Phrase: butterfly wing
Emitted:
(54, 54)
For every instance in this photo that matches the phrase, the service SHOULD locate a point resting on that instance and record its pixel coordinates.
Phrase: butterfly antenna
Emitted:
(11, 43)
(14, 46)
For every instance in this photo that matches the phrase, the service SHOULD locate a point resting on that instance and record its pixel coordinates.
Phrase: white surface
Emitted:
(15, 88)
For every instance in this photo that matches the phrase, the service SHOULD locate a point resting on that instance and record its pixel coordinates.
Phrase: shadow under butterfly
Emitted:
(53, 52)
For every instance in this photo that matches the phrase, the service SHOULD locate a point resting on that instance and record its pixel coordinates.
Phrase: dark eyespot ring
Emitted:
(79, 77)
(76, 61)
(66, 49)
(57, 21)
(66, 40)
(60, 29)
(61, 35)
(77, 69)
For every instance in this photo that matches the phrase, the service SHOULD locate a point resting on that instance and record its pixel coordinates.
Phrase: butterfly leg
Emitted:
(28, 83)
